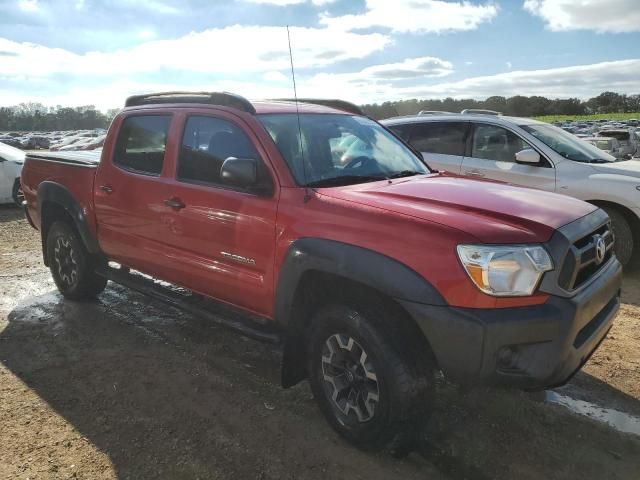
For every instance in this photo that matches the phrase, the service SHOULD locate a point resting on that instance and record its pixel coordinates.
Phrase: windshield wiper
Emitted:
(344, 180)
(404, 173)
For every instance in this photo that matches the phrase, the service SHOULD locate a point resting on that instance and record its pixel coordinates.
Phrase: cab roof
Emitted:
(231, 100)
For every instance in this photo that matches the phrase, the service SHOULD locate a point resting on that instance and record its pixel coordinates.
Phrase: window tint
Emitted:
(206, 144)
(141, 143)
(447, 138)
(496, 143)
(401, 131)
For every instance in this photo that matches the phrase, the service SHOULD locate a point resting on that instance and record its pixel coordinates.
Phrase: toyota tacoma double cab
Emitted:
(312, 226)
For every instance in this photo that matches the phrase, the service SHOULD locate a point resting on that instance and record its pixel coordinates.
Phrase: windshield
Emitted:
(339, 149)
(567, 145)
(8, 152)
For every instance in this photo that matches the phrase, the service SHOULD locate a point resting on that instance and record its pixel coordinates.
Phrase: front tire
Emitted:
(623, 233)
(73, 268)
(16, 193)
(370, 391)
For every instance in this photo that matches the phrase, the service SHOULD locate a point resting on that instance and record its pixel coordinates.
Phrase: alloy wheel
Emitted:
(350, 380)
(65, 259)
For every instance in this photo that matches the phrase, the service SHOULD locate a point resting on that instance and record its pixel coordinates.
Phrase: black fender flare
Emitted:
(52, 192)
(372, 269)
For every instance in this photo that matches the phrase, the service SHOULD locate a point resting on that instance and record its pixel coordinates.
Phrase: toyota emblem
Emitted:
(601, 248)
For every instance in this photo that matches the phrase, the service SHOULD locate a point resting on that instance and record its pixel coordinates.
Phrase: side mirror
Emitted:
(528, 156)
(239, 172)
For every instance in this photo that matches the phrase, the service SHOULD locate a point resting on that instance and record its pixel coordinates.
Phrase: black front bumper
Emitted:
(529, 347)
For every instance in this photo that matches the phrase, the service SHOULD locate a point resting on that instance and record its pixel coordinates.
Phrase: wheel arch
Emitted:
(317, 272)
(56, 202)
(628, 214)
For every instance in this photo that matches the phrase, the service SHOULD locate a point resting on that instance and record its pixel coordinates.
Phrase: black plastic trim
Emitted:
(207, 308)
(223, 99)
(552, 340)
(58, 194)
(559, 247)
(362, 265)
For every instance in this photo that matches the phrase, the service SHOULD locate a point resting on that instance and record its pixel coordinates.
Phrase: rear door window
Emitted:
(447, 138)
(141, 143)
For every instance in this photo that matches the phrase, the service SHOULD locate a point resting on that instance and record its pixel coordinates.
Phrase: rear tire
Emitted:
(73, 268)
(371, 392)
(623, 233)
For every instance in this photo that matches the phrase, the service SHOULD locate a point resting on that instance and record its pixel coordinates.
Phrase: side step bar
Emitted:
(251, 326)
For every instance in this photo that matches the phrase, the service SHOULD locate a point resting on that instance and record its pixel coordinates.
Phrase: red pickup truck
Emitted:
(311, 225)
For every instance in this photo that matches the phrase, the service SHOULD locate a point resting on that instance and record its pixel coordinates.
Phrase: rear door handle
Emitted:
(174, 203)
(474, 173)
(106, 188)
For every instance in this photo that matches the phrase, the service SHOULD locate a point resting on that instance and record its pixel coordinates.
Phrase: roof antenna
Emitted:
(307, 196)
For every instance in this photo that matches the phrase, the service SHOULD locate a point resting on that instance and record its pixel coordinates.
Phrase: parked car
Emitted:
(78, 144)
(629, 141)
(608, 145)
(11, 161)
(94, 143)
(373, 274)
(521, 151)
(66, 141)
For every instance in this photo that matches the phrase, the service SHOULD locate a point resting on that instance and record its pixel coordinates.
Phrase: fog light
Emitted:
(508, 358)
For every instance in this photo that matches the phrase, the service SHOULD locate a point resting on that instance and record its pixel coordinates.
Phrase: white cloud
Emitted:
(416, 16)
(509, 65)
(581, 81)
(275, 77)
(411, 68)
(278, 3)
(614, 16)
(285, 3)
(28, 5)
(576, 81)
(255, 49)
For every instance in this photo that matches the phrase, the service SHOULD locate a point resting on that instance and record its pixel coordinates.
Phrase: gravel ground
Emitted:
(128, 388)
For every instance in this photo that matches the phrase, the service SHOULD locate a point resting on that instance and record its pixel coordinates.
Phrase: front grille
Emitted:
(581, 262)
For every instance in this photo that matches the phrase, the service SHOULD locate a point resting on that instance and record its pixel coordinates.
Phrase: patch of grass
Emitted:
(597, 116)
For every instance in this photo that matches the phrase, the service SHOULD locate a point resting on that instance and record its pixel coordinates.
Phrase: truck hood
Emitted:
(492, 212)
(630, 168)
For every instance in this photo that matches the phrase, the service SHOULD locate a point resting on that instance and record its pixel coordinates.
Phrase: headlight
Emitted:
(505, 270)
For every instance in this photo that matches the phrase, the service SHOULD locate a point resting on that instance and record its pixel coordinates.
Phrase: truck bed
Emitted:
(74, 171)
(87, 158)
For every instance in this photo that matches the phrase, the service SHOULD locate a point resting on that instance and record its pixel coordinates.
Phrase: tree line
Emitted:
(520, 106)
(38, 117)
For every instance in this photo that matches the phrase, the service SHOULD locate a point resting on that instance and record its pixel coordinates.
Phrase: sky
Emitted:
(98, 52)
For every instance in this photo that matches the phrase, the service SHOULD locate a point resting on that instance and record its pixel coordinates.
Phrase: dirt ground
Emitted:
(128, 388)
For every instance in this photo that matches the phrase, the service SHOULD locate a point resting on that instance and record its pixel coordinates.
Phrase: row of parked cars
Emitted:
(620, 139)
(64, 141)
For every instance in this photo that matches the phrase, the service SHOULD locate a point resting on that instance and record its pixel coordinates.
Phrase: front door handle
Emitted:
(106, 188)
(474, 173)
(174, 203)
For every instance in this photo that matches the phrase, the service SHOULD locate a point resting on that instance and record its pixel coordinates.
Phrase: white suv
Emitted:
(11, 160)
(534, 154)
